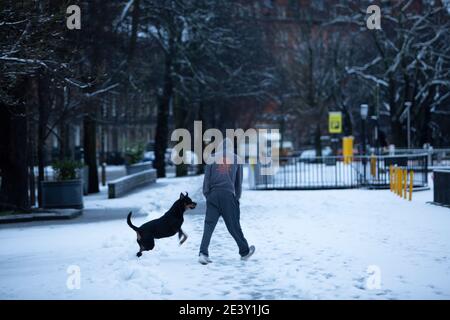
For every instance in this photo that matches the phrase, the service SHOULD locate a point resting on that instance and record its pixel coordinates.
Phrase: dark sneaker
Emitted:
(249, 254)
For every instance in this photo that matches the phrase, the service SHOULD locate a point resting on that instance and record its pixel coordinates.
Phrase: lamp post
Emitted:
(364, 112)
(408, 122)
(376, 139)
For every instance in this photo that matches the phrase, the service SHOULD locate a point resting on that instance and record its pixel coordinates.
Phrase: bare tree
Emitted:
(408, 59)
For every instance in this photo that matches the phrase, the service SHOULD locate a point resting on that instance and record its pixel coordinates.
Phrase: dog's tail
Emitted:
(130, 224)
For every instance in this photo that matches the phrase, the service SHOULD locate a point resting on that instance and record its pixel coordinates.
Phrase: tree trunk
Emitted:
(396, 126)
(13, 156)
(41, 160)
(201, 117)
(282, 127)
(397, 133)
(347, 119)
(32, 129)
(90, 151)
(318, 141)
(43, 108)
(162, 126)
(64, 141)
(423, 120)
(180, 118)
(134, 29)
(32, 177)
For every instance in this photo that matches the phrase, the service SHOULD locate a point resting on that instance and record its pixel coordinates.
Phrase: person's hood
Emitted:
(224, 148)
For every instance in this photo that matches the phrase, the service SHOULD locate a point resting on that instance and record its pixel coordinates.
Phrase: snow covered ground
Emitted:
(333, 244)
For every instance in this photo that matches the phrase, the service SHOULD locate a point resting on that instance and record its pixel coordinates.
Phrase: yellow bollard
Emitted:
(390, 178)
(401, 182)
(396, 181)
(411, 184)
(373, 166)
(405, 183)
(394, 185)
(394, 177)
(402, 179)
(347, 149)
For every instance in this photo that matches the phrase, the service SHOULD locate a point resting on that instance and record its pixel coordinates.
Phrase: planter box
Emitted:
(62, 194)
(441, 187)
(138, 167)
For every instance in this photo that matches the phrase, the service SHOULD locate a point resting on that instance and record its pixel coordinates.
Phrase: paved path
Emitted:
(88, 216)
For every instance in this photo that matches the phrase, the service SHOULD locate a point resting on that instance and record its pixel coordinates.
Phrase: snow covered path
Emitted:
(309, 245)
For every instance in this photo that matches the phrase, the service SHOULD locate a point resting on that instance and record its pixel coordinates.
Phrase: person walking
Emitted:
(222, 188)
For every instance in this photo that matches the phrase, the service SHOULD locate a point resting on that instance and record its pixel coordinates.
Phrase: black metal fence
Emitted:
(296, 173)
(437, 157)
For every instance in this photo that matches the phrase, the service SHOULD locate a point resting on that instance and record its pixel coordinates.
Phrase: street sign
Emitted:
(335, 122)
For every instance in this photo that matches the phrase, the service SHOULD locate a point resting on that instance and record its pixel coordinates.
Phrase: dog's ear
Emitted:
(181, 195)
(186, 194)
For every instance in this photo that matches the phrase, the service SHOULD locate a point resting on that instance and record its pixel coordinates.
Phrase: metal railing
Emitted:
(437, 157)
(336, 172)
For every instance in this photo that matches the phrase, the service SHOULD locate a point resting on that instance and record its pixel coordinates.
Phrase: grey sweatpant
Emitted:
(223, 203)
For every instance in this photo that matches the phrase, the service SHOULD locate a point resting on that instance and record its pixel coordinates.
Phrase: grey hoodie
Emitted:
(224, 176)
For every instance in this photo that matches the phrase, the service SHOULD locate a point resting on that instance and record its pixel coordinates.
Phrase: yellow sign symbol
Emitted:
(335, 122)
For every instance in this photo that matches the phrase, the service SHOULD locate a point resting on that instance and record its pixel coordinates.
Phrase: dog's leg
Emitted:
(141, 248)
(139, 254)
(182, 236)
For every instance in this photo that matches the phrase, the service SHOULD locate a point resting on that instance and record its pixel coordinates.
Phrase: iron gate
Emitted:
(337, 172)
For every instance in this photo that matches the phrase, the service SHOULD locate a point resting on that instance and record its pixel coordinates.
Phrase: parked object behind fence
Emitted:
(441, 191)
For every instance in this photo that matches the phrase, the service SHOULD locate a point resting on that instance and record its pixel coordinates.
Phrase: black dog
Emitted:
(166, 226)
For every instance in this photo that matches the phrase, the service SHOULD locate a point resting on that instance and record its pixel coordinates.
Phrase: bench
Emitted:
(138, 167)
(119, 187)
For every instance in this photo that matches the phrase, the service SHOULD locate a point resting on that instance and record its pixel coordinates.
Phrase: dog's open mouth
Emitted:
(192, 205)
